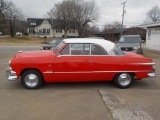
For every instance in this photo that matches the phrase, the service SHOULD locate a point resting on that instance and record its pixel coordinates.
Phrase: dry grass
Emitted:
(23, 41)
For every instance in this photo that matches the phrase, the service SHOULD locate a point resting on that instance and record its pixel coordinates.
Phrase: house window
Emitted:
(33, 23)
(72, 31)
(58, 30)
(44, 31)
(31, 30)
(48, 30)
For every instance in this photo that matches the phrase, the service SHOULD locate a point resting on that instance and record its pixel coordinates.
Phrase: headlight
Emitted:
(41, 48)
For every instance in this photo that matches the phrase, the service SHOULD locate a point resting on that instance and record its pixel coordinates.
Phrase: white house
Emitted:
(48, 28)
(153, 35)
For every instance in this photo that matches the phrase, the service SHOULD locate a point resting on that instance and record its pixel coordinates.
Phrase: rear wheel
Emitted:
(31, 79)
(123, 80)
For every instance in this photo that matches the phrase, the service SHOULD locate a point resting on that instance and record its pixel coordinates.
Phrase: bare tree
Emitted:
(83, 13)
(12, 15)
(62, 12)
(3, 6)
(112, 31)
(91, 31)
(153, 15)
(74, 14)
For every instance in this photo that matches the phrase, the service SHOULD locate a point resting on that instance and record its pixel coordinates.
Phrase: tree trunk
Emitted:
(65, 33)
(80, 32)
(11, 29)
(11, 23)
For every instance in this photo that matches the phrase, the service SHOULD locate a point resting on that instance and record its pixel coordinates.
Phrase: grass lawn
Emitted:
(22, 41)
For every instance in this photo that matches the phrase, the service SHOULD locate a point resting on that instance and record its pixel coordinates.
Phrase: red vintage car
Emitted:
(80, 60)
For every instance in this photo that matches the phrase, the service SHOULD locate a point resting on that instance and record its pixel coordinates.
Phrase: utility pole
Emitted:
(123, 16)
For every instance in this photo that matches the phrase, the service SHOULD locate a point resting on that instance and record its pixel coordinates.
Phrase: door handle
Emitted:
(89, 60)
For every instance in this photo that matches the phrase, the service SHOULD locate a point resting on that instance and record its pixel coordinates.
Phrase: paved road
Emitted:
(14, 49)
(70, 101)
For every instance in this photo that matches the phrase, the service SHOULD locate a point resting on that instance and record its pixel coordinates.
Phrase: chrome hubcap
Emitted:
(31, 80)
(124, 79)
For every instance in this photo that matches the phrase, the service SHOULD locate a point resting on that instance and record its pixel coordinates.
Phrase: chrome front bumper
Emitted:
(11, 75)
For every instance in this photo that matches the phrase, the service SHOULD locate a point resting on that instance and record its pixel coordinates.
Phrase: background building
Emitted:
(153, 35)
(48, 28)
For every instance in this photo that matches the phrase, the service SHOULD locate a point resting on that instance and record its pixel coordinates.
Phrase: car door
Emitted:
(73, 63)
(101, 64)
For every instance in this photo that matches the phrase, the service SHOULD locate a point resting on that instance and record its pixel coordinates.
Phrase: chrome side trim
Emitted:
(121, 71)
(73, 72)
(86, 72)
(143, 63)
(48, 72)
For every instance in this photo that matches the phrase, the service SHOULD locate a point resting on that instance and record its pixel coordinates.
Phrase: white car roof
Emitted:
(107, 45)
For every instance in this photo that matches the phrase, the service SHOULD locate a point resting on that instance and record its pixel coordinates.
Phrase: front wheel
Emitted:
(31, 79)
(123, 80)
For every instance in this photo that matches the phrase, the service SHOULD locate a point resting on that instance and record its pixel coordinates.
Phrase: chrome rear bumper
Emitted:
(11, 75)
(150, 75)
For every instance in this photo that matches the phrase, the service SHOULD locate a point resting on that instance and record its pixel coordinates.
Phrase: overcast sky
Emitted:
(110, 10)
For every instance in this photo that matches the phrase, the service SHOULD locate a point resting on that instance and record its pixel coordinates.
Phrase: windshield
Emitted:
(56, 49)
(55, 42)
(130, 40)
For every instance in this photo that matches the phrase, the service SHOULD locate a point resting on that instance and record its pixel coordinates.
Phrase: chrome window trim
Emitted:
(89, 50)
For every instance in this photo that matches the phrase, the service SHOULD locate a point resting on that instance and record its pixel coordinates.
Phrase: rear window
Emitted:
(118, 51)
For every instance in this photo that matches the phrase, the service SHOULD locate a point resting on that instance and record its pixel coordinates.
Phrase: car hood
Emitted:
(128, 44)
(35, 54)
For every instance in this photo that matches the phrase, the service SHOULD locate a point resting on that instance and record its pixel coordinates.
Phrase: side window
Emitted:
(80, 49)
(65, 51)
(97, 50)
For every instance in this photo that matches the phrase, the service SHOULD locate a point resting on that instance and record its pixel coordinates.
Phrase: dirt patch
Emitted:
(23, 41)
